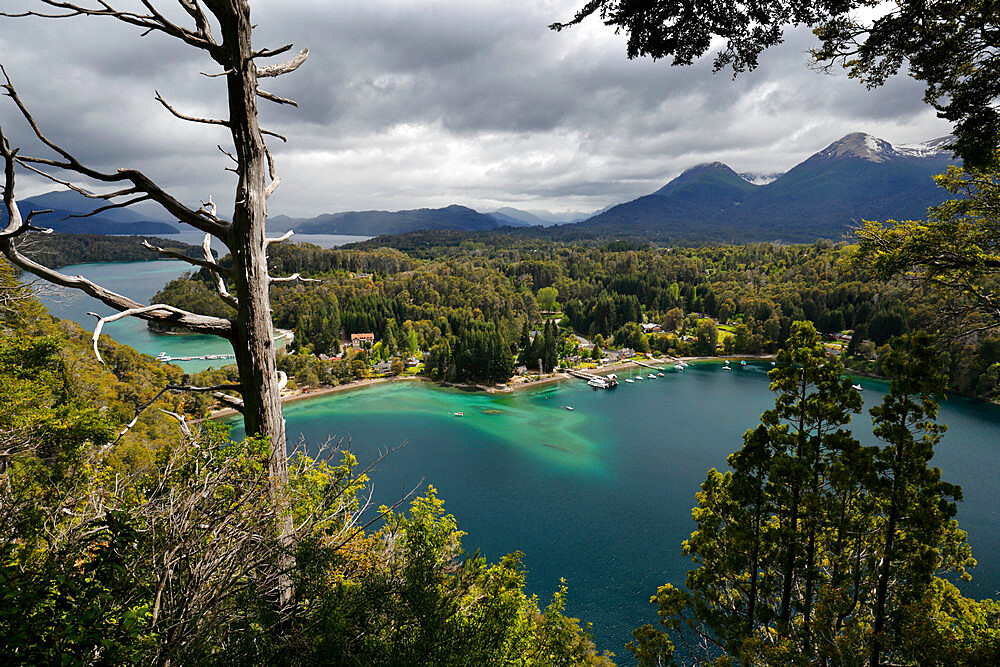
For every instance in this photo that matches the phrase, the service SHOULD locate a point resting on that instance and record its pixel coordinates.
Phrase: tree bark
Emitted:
(253, 334)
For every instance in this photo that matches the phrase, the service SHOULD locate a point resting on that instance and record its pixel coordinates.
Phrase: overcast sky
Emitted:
(425, 103)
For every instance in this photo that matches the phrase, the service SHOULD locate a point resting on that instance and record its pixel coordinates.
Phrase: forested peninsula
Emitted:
(64, 249)
(453, 302)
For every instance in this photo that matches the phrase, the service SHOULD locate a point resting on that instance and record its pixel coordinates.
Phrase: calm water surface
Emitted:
(601, 495)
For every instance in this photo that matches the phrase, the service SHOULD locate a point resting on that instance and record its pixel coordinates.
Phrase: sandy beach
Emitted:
(519, 382)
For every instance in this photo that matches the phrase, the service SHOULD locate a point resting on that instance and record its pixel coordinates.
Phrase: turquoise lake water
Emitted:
(600, 495)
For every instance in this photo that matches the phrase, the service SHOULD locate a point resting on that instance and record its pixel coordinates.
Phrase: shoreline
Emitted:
(495, 389)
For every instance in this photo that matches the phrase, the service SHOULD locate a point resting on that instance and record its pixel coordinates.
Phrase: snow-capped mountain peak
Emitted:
(927, 148)
(861, 145)
(760, 179)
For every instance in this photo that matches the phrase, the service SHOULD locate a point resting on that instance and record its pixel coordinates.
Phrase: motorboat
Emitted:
(651, 376)
(598, 383)
(857, 387)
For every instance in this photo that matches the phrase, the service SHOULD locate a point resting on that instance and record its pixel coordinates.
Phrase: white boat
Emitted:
(651, 376)
(857, 387)
(570, 408)
(638, 377)
(630, 380)
(598, 383)
(726, 367)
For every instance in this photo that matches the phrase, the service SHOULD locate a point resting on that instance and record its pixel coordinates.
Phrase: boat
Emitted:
(743, 363)
(458, 414)
(570, 408)
(598, 383)
(651, 376)
(726, 367)
(630, 380)
(638, 377)
(858, 387)
(660, 374)
(772, 363)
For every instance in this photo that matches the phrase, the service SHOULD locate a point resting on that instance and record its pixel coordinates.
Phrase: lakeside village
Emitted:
(546, 354)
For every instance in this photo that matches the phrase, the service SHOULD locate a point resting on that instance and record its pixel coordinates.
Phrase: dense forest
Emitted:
(454, 294)
(63, 249)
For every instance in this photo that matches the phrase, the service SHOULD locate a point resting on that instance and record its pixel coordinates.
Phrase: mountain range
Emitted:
(858, 177)
(67, 203)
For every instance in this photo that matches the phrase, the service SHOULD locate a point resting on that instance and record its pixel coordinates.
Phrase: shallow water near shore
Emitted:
(601, 495)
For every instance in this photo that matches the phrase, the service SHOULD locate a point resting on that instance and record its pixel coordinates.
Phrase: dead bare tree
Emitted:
(223, 30)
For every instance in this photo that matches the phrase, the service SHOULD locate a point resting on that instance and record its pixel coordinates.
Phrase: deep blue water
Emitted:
(602, 495)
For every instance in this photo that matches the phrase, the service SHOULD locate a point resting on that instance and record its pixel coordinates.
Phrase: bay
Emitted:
(601, 495)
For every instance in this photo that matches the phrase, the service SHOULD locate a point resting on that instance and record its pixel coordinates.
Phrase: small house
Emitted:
(358, 340)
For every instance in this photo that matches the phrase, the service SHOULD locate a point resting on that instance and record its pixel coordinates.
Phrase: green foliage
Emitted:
(812, 548)
(57, 250)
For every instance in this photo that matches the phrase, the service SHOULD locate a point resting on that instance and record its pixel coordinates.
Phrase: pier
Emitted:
(608, 382)
(166, 358)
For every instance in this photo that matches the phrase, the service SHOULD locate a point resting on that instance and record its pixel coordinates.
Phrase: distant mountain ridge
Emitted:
(67, 203)
(857, 177)
(378, 223)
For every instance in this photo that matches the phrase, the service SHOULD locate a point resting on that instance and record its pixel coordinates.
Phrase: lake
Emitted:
(600, 495)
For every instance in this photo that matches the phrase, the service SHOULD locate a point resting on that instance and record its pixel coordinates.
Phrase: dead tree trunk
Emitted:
(246, 285)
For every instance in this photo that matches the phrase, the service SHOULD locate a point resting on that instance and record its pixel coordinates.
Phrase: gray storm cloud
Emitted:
(410, 104)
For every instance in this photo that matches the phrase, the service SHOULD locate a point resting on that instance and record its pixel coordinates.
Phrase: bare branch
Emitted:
(284, 237)
(220, 282)
(275, 98)
(227, 153)
(270, 53)
(283, 68)
(231, 401)
(109, 207)
(201, 37)
(181, 420)
(193, 119)
(140, 181)
(293, 278)
(271, 187)
(174, 254)
(157, 311)
(274, 134)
